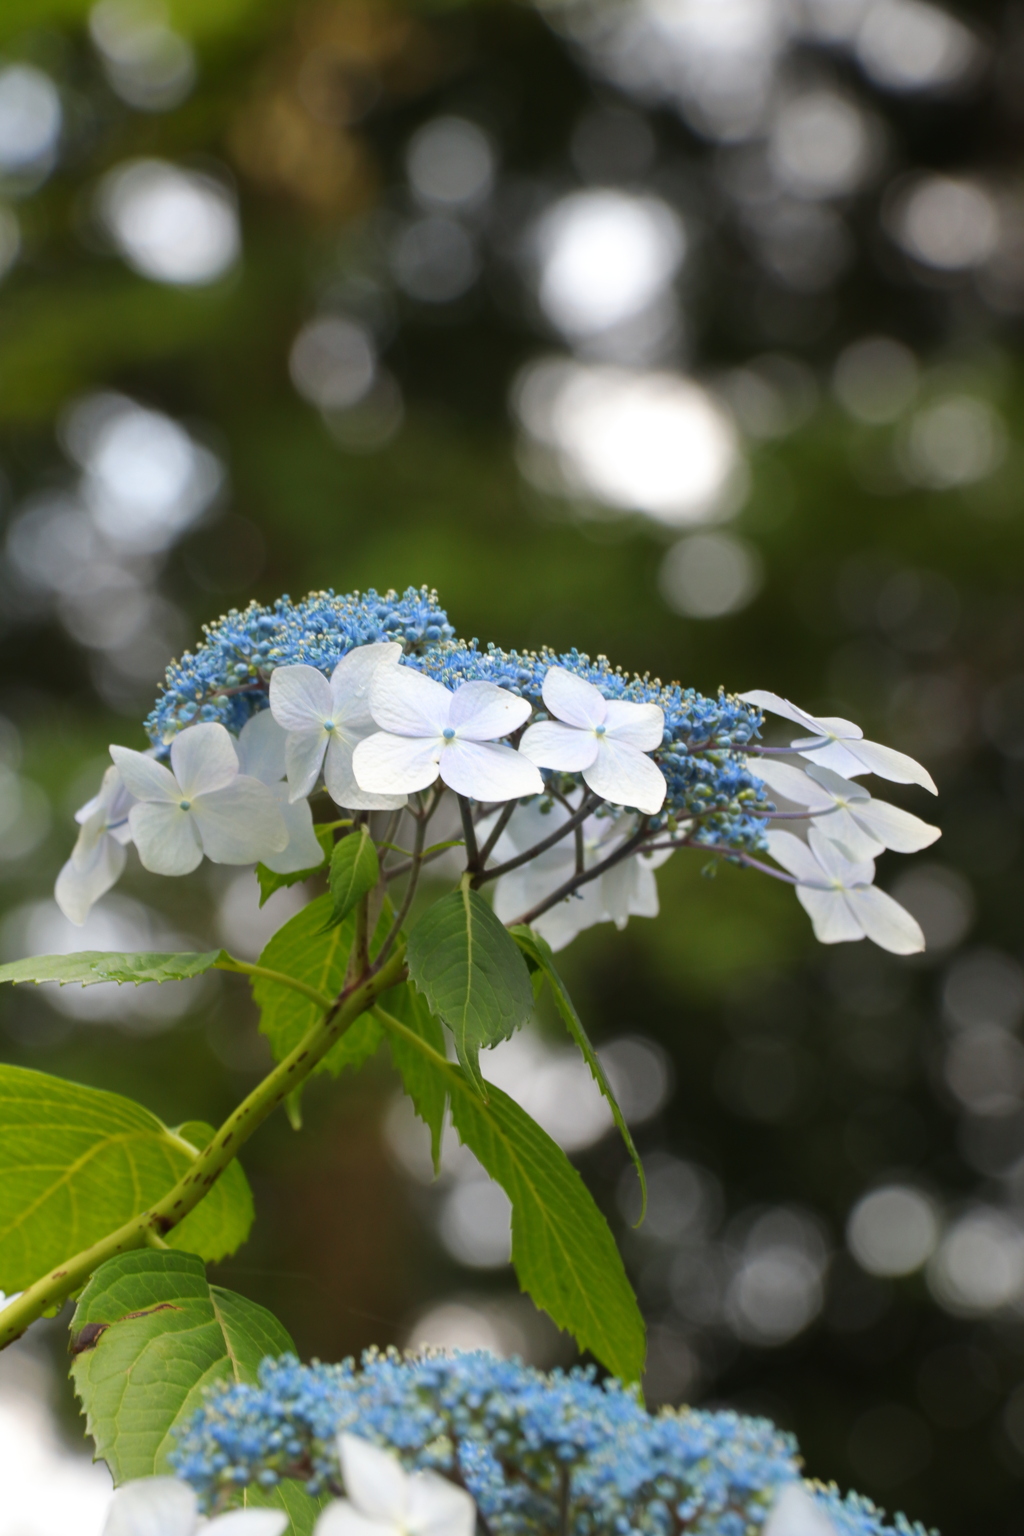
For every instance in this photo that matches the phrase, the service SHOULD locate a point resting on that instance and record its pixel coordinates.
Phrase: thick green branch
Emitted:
(211, 1162)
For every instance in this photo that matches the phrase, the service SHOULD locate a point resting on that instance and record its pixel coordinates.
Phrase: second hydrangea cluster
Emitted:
(541, 1454)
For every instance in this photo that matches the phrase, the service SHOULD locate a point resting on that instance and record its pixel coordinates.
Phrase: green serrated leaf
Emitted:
(89, 966)
(306, 948)
(76, 1163)
(471, 973)
(355, 870)
(148, 1334)
(563, 1252)
(428, 1091)
(542, 964)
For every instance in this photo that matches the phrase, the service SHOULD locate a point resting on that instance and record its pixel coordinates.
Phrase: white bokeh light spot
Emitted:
(709, 575)
(653, 442)
(145, 479)
(948, 223)
(333, 362)
(893, 1230)
(30, 120)
(908, 45)
(979, 1265)
(450, 163)
(820, 145)
(605, 257)
(173, 226)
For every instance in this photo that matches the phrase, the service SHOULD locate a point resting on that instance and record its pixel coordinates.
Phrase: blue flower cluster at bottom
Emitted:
(540, 1453)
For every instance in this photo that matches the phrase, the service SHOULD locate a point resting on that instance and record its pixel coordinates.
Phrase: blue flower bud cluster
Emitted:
(540, 1453)
(226, 679)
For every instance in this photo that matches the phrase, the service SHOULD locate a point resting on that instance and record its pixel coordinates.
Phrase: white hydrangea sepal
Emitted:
(98, 858)
(385, 1500)
(261, 755)
(326, 719)
(795, 1513)
(201, 804)
(165, 1506)
(840, 745)
(606, 740)
(427, 731)
(628, 889)
(839, 896)
(845, 812)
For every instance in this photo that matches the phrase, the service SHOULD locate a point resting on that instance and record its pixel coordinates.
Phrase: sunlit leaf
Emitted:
(77, 1163)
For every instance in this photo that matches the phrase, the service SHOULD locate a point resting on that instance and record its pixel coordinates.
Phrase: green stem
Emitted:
(211, 1162)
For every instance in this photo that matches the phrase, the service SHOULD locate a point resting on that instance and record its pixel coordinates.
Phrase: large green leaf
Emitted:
(317, 955)
(564, 1254)
(148, 1334)
(542, 963)
(76, 1163)
(89, 966)
(355, 870)
(471, 973)
(427, 1088)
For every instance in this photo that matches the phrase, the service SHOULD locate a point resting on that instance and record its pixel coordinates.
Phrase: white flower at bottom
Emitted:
(607, 740)
(204, 806)
(840, 745)
(796, 1514)
(164, 1506)
(626, 890)
(839, 897)
(261, 754)
(98, 858)
(426, 731)
(385, 1500)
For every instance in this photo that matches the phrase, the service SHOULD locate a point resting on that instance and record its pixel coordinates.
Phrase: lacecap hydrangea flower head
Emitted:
(538, 1454)
(574, 780)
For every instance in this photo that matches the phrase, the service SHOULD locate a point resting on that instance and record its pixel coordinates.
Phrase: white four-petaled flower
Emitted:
(845, 812)
(98, 858)
(427, 731)
(325, 721)
(201, 804)
(604, 739)
(164, 1506)
(840, 745)
(385, 1500)
(261, 750)
(628, 889)
(839, 897)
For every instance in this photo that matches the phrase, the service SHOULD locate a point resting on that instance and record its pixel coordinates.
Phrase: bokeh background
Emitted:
(684, 331)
